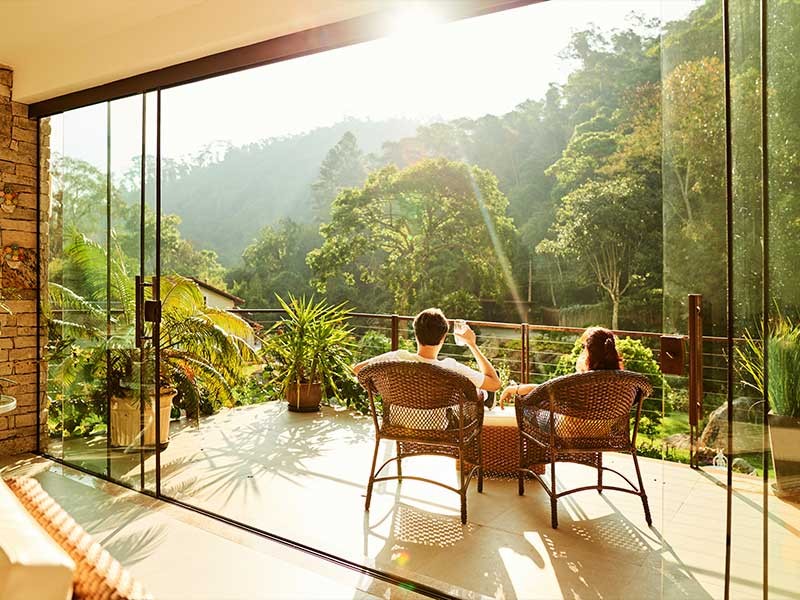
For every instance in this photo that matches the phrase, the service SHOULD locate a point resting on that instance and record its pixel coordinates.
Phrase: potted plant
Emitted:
(308, 351)
(204, 351)
(130, 384)
(783, 362)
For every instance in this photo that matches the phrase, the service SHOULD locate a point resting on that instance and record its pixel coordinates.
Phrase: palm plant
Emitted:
(203, 351)
(311, 344)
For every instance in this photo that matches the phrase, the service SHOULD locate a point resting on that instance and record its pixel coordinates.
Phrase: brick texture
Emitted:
(18, 282)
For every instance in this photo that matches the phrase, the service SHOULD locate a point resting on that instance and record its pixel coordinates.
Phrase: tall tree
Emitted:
(342, 168)
(275, 263)
(605, 225)
(421, 233)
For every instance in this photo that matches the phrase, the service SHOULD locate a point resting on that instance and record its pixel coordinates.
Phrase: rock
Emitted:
(747, 434)
(678, 440)
(740, 465)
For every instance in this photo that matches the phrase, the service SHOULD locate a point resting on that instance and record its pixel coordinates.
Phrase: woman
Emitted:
(599, 353)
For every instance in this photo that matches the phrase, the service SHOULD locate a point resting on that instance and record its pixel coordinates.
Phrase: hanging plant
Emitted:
(13, 255)
(8, 199)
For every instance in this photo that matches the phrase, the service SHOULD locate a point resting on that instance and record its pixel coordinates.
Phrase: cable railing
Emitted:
(525, 352)
(534, 353)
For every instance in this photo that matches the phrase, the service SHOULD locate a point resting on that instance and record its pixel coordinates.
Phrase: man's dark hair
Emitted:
(430, 327)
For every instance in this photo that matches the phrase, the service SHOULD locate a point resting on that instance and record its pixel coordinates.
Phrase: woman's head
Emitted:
(599, 351)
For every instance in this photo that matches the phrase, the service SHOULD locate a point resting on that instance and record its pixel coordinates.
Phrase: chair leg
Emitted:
(372, 475)
(480, 466)
(642, 493)
(520, 472)
(599, 473)
(553, 498)
(462, 489)
(399, 465)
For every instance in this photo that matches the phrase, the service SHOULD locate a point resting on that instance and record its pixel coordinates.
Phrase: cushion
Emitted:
(98, 576)
(500, 417)
(32, 565)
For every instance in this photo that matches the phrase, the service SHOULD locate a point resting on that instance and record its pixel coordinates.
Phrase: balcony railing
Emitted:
(530, 353)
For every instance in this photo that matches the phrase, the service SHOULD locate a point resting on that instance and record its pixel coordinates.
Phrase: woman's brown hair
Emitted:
(599, 351)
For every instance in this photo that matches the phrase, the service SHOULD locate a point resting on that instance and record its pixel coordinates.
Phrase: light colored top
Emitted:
(476, 377)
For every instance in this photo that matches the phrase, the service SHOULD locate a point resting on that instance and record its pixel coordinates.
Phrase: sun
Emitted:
(410, 19)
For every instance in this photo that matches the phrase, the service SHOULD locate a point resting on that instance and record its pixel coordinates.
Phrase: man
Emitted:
(430, 329)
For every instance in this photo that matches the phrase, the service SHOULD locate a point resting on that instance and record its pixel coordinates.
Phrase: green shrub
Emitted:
(255, 390)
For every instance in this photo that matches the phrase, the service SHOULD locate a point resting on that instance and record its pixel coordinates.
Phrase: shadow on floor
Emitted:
(585, 558)
(272, 443)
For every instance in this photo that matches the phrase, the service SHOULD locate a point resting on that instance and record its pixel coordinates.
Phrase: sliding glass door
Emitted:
(101, 352)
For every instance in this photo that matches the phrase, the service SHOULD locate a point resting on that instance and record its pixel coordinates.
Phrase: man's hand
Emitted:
(469, 337)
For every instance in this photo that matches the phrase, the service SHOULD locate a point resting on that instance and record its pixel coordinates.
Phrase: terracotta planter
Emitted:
(304, 397)
(126, 431)
(784, 438)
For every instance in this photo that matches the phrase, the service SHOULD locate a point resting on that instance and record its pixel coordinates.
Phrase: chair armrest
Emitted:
(529, 407)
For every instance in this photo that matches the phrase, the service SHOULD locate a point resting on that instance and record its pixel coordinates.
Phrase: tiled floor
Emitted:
(180, 555)
(303, 476)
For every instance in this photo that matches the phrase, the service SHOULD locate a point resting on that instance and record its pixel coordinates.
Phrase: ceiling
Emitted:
(57, 46)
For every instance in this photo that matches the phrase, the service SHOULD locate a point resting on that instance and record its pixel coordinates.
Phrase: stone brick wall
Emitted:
(18, 282)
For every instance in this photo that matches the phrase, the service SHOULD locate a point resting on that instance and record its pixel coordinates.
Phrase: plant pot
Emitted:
(304, 397)
(784, 438)
(126, 430)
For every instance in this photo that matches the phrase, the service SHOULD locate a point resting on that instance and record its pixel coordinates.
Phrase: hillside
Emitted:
(223, 204)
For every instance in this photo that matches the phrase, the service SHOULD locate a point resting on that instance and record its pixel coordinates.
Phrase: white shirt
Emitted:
(476, 377)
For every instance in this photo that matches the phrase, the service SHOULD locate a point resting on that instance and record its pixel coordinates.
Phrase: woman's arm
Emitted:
(516, 390)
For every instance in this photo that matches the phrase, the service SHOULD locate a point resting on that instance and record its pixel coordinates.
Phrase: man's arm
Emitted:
(491, 381)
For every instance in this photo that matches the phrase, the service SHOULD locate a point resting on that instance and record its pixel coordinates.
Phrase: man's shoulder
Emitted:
(392, 355)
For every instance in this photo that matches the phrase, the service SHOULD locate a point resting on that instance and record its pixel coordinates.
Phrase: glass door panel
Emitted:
(78, 288)
(101, 374)
(694, 262)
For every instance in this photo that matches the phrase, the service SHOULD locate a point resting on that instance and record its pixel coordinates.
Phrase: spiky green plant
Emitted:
(783, 362)
(311, 344)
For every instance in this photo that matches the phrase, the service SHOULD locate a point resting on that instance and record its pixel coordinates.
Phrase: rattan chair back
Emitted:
(584, 410)
(416, 396)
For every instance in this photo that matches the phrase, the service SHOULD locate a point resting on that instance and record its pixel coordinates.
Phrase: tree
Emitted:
(275, 263)
(342, 168)
(420, 233)
(179, 256)
(605, 224)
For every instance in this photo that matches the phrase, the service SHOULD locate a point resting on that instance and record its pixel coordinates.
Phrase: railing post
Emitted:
(695, 374)
(524, 355)
(395, 332)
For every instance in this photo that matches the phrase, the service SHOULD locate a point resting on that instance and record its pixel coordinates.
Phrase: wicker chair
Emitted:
(427, 410)
(576, 418)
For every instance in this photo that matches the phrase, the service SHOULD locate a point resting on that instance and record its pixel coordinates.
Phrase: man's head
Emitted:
(430, 327)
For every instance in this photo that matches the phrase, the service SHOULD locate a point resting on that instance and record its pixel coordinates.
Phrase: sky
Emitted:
(425, 70)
